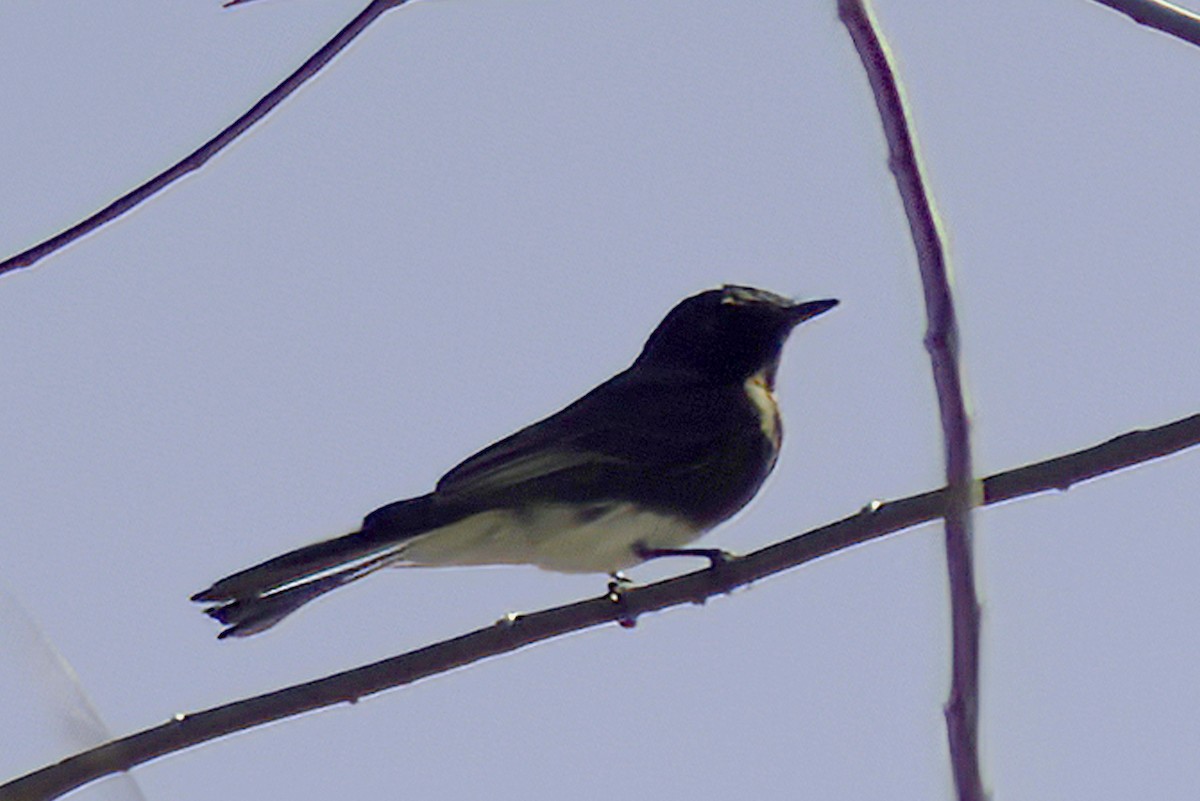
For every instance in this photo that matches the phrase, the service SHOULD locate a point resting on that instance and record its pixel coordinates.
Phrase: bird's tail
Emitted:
(254, 599)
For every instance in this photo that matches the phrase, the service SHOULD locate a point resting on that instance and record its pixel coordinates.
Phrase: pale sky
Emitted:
(478, 213)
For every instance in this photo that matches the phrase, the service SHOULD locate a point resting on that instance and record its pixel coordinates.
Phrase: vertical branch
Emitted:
(197, 158)
(941, 340)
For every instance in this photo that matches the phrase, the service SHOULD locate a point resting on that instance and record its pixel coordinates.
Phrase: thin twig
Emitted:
(941, 340)
(1168, 18)
(197, 158)
(507, 635)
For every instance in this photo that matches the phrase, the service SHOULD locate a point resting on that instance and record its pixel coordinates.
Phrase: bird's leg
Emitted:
(616, 594)
(618, 584)
(715, 556)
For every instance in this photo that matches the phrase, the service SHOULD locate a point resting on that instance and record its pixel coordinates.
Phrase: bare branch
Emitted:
(1168, 18)
(197, 158)
(871, 523)
(941, 340)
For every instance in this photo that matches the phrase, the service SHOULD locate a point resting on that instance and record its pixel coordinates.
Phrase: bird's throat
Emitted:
(760, 391)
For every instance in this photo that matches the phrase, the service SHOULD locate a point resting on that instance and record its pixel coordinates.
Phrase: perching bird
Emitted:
(637, 468)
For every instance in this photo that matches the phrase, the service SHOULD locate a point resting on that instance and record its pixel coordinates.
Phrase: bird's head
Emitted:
(727, 334)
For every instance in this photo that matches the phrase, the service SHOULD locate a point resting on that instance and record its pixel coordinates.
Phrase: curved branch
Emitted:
(509, 634)
(197, 158)
(941, 340)
(1168, 18)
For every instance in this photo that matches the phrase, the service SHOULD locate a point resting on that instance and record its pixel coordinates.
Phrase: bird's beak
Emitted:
(808, 310)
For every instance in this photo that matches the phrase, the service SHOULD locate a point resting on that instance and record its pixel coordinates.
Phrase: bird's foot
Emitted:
(616, 593)
(509, 620)
(871, 507)
(618, 585)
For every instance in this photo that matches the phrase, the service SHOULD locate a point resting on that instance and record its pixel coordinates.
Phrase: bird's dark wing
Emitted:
(548, 447)
(635, 436)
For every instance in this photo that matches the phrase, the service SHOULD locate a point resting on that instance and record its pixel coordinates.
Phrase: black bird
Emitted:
(637, 468)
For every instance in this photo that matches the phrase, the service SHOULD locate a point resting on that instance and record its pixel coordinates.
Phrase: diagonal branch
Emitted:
(510, 634)
(197, 158)
(1168, 18)
(941, 340)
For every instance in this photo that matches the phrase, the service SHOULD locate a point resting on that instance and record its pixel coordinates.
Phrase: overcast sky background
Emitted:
(478, 212)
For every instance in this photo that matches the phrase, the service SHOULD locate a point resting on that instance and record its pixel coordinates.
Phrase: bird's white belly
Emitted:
(552, 536)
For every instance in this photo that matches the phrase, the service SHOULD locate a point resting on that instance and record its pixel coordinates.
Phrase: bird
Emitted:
(635, 469)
